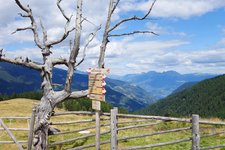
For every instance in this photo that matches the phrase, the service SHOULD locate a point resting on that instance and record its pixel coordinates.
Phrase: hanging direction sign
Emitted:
(96, 77)
(98, 71)
(96, 90)
(97, 97)
(96, 83)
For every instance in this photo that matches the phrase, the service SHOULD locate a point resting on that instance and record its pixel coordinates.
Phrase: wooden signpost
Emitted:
(96, 83)
(96, 92)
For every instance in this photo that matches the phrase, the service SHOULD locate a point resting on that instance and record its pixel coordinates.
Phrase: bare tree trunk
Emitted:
(51, 98)
(42, 126)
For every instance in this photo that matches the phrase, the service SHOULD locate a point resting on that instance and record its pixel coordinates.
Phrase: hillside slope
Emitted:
(207, 98)
(17, 79)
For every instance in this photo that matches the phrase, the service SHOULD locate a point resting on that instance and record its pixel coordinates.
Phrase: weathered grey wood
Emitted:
(133, 121)
(72, 131)
(138, 126)
(71, 140)
(113, 128)
(97, 130)
(74, 113)
(195, 133)
(212, 134)
(11, 135)
(157, 145)
(89, 145)
(11, 142)
(154, 117)
(75, 139)
(72, 122)
(212, 147)
(211, 123)
(25, 118)
(154, 133)
(31, 131)
(16, 129)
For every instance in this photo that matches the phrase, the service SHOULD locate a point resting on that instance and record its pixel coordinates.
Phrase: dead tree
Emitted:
(51, 97)
(109, 28)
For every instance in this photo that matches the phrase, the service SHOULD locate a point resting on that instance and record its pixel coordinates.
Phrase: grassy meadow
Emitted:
(23, 107)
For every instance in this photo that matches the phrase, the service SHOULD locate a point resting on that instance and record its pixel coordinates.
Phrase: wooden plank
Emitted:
(97, 97)
(98, 70)
(16, 129)
(154, 133)
(96, 77)
(138, 126)
(96, 105)
(11, 142)
(96, 90)
(11, 135)
(72, 122)
(156, 145)
(92, 83)
(213, 147)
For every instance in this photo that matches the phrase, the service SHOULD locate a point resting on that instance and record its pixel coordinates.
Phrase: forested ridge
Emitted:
(207, 98)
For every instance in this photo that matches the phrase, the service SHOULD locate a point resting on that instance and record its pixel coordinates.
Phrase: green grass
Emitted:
(23, 107)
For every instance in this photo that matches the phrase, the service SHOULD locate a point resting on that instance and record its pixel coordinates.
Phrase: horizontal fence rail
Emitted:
(158, 144)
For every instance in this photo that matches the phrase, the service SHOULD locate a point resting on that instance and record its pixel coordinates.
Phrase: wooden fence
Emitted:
(29, 130)
(114, 125)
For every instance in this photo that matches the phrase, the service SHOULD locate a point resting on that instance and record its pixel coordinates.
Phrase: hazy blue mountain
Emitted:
(160, 85)
(17, 79)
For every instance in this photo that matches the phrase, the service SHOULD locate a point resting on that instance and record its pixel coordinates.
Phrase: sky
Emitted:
(191, 34)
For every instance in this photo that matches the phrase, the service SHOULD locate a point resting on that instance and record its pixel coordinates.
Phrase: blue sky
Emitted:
(191, 35)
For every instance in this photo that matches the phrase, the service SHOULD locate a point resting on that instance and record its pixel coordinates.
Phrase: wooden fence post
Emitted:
(31, 129)
(113, 128)
(195, 133)
(97, 130)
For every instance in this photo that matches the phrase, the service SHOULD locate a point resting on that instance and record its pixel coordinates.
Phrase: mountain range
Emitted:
(18, 79)
(206, 98)
(160, 85)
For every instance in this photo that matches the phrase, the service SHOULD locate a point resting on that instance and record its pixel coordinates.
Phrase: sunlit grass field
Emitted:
(23, 107)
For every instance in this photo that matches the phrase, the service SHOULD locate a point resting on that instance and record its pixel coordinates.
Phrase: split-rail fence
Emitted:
(114, 123)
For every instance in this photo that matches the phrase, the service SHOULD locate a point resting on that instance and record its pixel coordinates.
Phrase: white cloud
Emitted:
(124, 55)
(175, 8)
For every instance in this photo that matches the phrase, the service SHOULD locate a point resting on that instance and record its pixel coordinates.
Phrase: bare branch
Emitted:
(21, 6)
(85, 19)
(62, 11)
(45, 37)
(22, 29)
(1, 51)
(64, 36)
(78, 94)
(115, 5)
(132, 18)
(20, 61)
(22, 15)
(75, 50)
(131, 33)
(60, 61)
(90, 38)
(33, 23)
